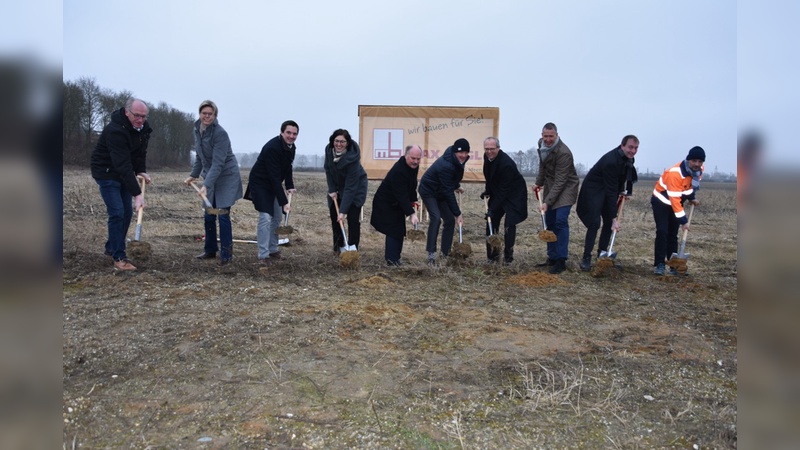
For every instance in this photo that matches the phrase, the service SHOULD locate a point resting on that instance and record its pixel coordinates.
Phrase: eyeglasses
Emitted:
(206, 113)
(490, 149)
(139, 116)
(339, 141)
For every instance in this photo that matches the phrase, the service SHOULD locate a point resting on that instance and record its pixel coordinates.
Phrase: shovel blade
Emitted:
(680, 256)
(138, 233)
(348, 248)
(605, 254)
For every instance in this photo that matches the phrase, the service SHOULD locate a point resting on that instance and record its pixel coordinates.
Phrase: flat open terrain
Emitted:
(308, 354)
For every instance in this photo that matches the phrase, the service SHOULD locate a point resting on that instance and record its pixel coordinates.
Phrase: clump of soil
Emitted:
(547, 236)
(602, 265)
(679, 264)
(461, 250)
(535, 279)
(285, 229)
(495, 242)
(416, 235)
(350, 260)
(139, 251)
(380, 280)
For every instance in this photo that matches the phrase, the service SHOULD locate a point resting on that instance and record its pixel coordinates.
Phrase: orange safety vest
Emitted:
(673, 186)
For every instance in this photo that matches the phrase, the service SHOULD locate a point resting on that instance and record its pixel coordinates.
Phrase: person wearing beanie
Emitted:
(611, 177)
(676, 186)
(437, 188)
(557, 185)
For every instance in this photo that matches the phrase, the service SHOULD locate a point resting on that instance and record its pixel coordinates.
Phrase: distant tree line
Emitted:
(88, 108)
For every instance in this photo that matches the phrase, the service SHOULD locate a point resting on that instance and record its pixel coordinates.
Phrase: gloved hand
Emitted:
(484, 194)
(488, 214)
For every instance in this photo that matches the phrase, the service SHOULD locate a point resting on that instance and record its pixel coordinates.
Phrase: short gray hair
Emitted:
(130, 100)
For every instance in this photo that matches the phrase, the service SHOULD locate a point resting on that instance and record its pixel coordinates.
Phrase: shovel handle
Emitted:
(341, 224)
(203, 196)
(289, 202)
(688, 221)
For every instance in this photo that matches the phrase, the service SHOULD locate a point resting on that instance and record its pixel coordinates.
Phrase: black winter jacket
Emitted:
(442, 178)
(121, 152)
(506, 188)
(392, 201)
(272, 170)
(346, 177)
(607, 179)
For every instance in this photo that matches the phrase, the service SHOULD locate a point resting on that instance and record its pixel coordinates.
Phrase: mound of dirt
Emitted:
(350, 260)
(602, 265)
(495, 242)
(375, 281)
(139, 251)
(285, 229)
(535, 279)
(416, 235)
(461, 250)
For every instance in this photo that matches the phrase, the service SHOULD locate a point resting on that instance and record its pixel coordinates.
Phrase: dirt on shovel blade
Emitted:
(285, 229)
(461, 250)
(601, 266)
(547, 236)
(679, 264)
(139, 251)
(350, 260)
(416, 235)
(495, 242)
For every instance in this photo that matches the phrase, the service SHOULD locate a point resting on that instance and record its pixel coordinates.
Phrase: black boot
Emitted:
(547, 263)
(586, 263)
(559, 266)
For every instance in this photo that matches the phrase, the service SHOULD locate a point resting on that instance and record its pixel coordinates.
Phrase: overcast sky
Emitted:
(663, 70)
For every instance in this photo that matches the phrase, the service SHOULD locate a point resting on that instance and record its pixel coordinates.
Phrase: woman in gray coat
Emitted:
(222, 183)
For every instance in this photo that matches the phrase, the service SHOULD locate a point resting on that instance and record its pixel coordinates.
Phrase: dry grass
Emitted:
(310, 353)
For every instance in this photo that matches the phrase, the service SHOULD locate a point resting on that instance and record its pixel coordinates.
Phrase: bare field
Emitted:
(308, 354)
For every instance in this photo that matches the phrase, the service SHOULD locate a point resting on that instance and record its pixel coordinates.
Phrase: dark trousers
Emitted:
(591, 234)
(667, 227)
(509, 239)
(557, 221)
(119, 206)
(439, 212)
(225, 234)
(353, 227)
(394, 247)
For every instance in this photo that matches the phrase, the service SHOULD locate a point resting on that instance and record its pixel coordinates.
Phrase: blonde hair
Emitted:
(208, 103)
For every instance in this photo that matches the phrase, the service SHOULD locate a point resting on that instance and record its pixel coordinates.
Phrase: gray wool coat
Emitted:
(217, 164)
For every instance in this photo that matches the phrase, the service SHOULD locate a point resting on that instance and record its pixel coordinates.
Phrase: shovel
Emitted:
(209, 207)
(286, 228)
(678, 260)
(138, 234)
(346, 248)
(545, 235)
(494, 241)
(610, 253)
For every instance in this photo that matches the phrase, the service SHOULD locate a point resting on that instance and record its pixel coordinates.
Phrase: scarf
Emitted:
(696, 174)
(544, 150)
(202, 128)
(337, 156)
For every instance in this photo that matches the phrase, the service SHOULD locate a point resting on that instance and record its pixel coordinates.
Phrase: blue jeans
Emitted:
(225, 234)
(439, 212)
(267, 231)
(119, 205)
(557, 221)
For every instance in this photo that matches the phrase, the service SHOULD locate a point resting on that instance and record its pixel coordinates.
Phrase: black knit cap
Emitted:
(461, 145)
(696, 153)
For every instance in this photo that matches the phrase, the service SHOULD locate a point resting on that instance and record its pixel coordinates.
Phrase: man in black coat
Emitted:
(613, 175)
(265, 187)
(508, 196)
(118, 158)
(393, 203)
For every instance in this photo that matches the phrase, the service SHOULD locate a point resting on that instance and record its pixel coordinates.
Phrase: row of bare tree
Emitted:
(88, 108)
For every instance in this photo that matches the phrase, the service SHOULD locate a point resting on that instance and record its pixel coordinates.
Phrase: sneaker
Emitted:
(660, 269)
(276, 255)
(547, 263)
(559, 266)
(205, 255)
(123, 264)
(586, 264)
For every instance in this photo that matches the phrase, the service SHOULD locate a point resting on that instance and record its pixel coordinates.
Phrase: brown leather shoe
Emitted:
(205, 255)
(265, 261)
(124, 264)
(276, 255)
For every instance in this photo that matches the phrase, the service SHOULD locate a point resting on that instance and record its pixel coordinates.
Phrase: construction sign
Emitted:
(385, 131)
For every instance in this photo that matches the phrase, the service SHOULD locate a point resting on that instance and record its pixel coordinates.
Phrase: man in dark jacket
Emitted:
(437, 188)
(613, 175)
(265, 187)
(508, 196)
(347, 186)
(393, 203)
(118, 158)
(559, 180)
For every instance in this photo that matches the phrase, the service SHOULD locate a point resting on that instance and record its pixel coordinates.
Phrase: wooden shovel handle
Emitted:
(205, 199)
(688, 221)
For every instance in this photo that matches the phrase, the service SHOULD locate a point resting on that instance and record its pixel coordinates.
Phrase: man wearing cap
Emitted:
(677, 185)
(437, 188)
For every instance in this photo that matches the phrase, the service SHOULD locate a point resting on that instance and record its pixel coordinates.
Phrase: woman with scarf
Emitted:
(347, 186)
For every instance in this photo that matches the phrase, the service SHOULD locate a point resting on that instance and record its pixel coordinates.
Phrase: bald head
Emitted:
(413, 156)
